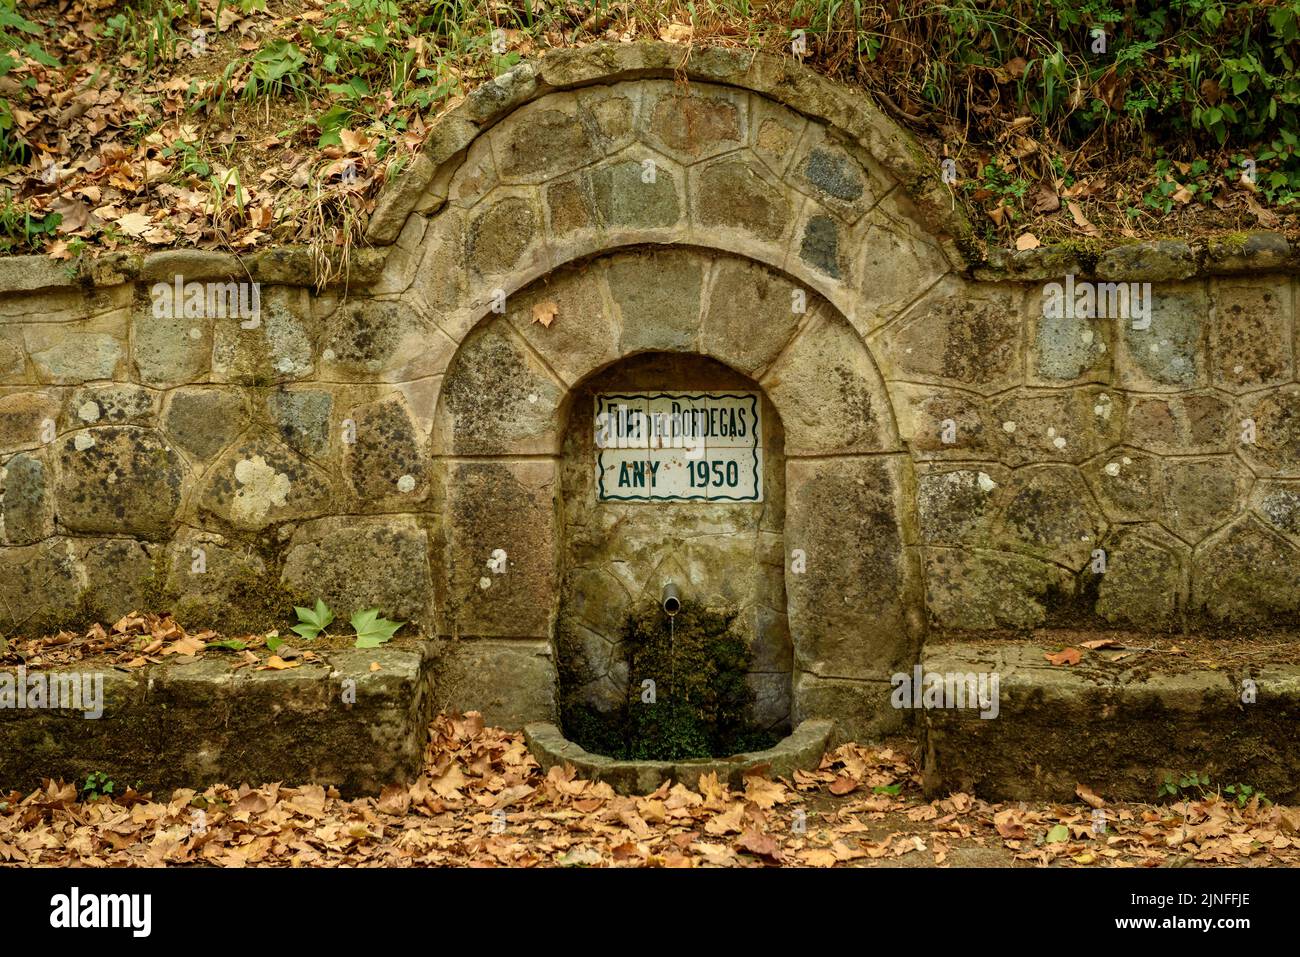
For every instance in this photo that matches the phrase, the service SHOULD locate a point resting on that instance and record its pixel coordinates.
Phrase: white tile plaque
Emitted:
(678, 447)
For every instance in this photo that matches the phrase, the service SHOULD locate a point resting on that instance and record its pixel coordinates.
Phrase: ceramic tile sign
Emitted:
(678, 447)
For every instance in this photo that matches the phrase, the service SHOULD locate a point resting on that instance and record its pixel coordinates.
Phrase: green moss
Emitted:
(154, 588)
(701, 702)
(1228, 245)
(255, 603)
(1088, 250)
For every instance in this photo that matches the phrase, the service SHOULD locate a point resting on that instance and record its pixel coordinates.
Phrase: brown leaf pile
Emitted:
(134, 640)
(145, 638)
(171, 156)
(482, 801)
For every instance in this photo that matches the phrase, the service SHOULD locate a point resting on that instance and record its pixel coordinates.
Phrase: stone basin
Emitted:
(800, 751)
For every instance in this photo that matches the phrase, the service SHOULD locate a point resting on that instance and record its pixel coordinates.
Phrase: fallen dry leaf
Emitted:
(545, 313)
(1088, 796)
(1068, 656)
(759, 843)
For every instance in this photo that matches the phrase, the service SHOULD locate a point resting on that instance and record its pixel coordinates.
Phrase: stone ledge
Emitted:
(280, 265)
(799, 751)
(1152, 261)
(1117, 726)
(197, 723)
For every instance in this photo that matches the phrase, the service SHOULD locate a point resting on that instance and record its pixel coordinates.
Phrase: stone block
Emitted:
(492, 508)
(1250, 341)
(1203, 494)
(40, 588)
(26, 499)
(302, 418)
(959, 337)
(28, 419)
(511, 683)
(975, 590)
(356, 565)
(734, 194)
(119, 479)
(852, 611)
(258, 482)
(1128, 484)
(113, 404)
(1051, 514)
(279, 348)
(497, 398)
(829, 393)
(1144, 584)
(957, 505)
(1168, 355)
(567, 322)
(1246, 574)
(657, 295)
(695, 123)
(380, 341)
(202, 421)
(120, 579)
(751, 315)
(386, 465)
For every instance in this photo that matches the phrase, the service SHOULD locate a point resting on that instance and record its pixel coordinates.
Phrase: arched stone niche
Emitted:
(615, 556)
(843, 544)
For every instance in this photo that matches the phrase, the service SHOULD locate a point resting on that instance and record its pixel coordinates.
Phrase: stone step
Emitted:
(197, 723)
(1117, 725)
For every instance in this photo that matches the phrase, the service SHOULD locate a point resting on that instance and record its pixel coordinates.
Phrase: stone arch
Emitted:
(613, 146)
(854, 603)
(697, 161)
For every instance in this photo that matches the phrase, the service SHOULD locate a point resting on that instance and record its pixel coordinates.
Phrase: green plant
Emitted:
(277, 68)
(98, 784)
(1242, 794)
(1280, 182)
(999, 190)
(190, 159)
(1179, 184)
(1183, 785)
(148, 30)
(19, 228)
(373, 631)
(1198, 784)
(229, 644)
(16, 44)
(700, 702)
(312, 622)
(15, 29)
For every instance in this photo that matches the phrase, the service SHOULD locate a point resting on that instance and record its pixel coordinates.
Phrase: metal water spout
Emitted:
(672, 601)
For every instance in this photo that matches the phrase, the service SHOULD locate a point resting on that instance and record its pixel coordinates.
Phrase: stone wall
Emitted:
(956, 458)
